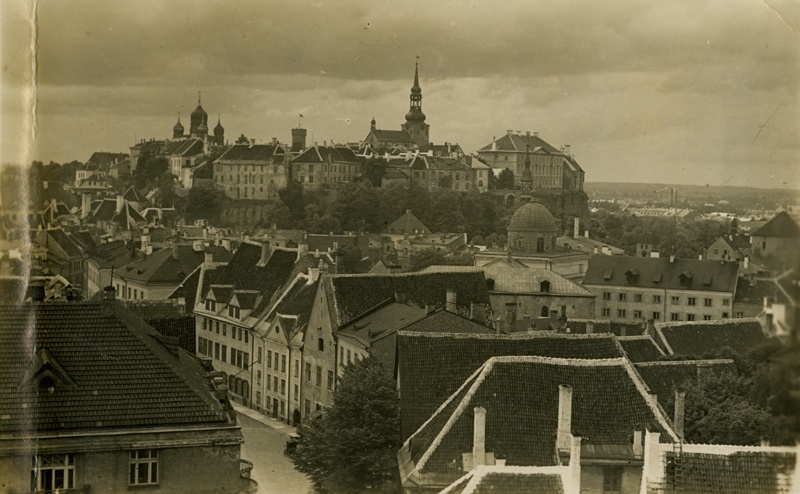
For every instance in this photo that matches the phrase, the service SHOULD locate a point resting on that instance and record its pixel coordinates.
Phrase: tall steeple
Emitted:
(415, 124)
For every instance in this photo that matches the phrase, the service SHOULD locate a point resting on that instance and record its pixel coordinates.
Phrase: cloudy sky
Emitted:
(643, 91)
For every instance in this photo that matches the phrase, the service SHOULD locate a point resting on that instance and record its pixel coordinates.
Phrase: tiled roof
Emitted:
(392, 136)
(123, 375)
(299, 301)
(640, 348)
(162, 267)
(321, 154)
(256, 153)
(135, 195)
(699, 338)
(508, 480)
(754, 293)
(528, 280)
(431, 366)
(519, 143)
(664, 376)
(154, 309)
(65, 242)
(425, 162)
(408, 224)
(351, 295)
(753, 472)
(659, 272)
(443, 321)
(188, 289)
(521, 395)
(103, 211)
(84, 239)
(782, 225)
(112, 254)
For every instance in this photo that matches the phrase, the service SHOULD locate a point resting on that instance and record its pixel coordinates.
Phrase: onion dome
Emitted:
(532, 217)
(177, 130)
(219, 129)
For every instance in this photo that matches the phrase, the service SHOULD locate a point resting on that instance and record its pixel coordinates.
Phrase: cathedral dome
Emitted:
(177, 130)
(199, 115)
(219, 129)
(532, 217)
(202, 128)
(415, 115)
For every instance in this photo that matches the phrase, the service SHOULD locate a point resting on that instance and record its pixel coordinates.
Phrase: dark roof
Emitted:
(322, 154)
(442, 321)
(189, 147)
(507, 480)
(640, 348)
(431, 366)
(256, 153)
(299, 301)
(112, 254)
(782, 225)
(154, 309)
(393, 136)
(188, 287)
(106, 158)
(521, 395)
(659, 272)
(64, 241)
(664, 376)
(113, 371)
(84, 239)
(162, 267)
(408, 224)
(134, 194)
(699, 338)
(754, 293)
(351, 295)
(754, 472)
(379, 321)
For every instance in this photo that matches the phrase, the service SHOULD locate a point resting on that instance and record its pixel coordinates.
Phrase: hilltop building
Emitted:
(414, 132)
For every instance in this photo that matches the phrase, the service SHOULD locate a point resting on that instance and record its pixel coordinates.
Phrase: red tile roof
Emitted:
(125, 373)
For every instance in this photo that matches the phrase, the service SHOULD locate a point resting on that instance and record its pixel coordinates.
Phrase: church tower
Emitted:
(415, 124)
(198, 122)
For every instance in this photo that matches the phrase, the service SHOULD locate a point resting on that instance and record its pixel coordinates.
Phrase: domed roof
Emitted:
(202, 128)
(178, 128)
(415, 115)
(219, 129)
(532, 217)
(199, 114)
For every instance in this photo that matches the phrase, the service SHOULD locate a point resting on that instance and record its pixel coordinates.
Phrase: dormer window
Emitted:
(211, 305)
(47, 383)
(233, 312)
(685, 279)
(544, 286)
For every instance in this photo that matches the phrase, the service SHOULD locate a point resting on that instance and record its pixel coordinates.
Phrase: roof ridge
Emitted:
(655, 363)
(511, 336)
(713, 322)
(650, 399)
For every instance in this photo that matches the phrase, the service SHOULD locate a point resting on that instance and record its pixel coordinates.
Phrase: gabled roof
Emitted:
(104, 158)
(407, 224)
(442, 321)
(84, 239)
(519, 143)
(351, 295)
(189, 147)
(379, 321)
(299, 301)
(323, 154)
(754, 293)
(521, 398)
(112, 254)
(782, 225)
(510, 480)
(640, 348)
(659, 272)
(196, 282)
(129, 376)
(427, 378)
(700, 337)
(135, 195)
(256, 153)
(391, 136)
(163, 267)
(64, 241)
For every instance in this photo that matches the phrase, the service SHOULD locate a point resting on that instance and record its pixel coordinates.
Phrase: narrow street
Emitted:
(272, 470)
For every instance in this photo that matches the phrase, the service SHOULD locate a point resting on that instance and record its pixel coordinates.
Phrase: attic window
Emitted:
(608, 274)
(544, 286)
(708, 280)
(47, 383)
(657, 278)
(686, 279)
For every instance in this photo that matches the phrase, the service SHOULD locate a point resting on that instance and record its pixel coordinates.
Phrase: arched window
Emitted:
(540, 244)
(545, 311)
(544, 286)
(521, 243)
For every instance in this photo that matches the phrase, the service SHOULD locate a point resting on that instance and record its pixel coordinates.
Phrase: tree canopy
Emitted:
(352, 447)
(505, 180)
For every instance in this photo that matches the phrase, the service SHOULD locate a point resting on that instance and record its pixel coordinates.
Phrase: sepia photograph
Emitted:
(410, 247)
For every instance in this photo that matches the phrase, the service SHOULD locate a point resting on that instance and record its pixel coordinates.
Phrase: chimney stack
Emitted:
(265, 253)
(745, 262)
(672, 258)
(586, 233)
(109, 293)
(208, 258)
(564, 417)
(680, 401)
(575, 464)
(450, 305)
(637, 444)
(175, 249)
(589, 327)
(764, 442)
(577, 229)
(120, 203)
(479, 438)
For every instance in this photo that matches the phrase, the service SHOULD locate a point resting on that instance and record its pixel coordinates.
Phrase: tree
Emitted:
(446, 182)
(292, 197)
(353, 446)
(348, 258)
(149, 167)
(205, 203)
(374, 170)
(505, 180)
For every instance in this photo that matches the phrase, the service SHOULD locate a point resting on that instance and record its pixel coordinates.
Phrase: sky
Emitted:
(642, 91)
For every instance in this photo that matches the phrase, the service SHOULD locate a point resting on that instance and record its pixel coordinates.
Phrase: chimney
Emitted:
(586, 233)
(575, 464)
(566, 149)
(535, 134)
(653, 468)
(120, 203)
(680, 401)
(479, 438)
(175, 249)
(564, 417)
(700, 257)
(400, 296)
(313, 275)
(208, 258)
(589, 327)
(274, 141)
(528, 133)
(654, 253)
(745, 262)
(509, 131)
(672, 258)
(650, 329)
(197, 245)
(450, 305)
(576, 232)
(226, 244)
(511, 317)
(252, 143)
(265, 253)
(764, 442)
(638, 448)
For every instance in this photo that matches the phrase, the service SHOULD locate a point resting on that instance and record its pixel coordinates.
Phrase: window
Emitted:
(224, 353)
(258, 377)
(319, 376)
(691, 301)
(724, 315)
(544, 286)
(260, 353)
(283, 386)
(348, 356)
(246, 336)
(330, 380)
(656, 316)
(656, 299)
(674, 316)
(622, 297)
(637, 297)
(637, 314)
(706, 317)
(269, 382)
(707, 302)
(283, 363)
(216, 351)
(296, 367)
(307, 407)
(606, 312)
(144, 467)
(240, 334)
(612, 480)
(224, 329)
(726, 302)
(606, 295)
(211, 305)
(690, 317)
(54, 472)
(269, 359)
(308, 372)
(676, 300)
(233, 312)
(258, 397)
(275, 383)
(621, 313)
(296, 392)
(216, 323)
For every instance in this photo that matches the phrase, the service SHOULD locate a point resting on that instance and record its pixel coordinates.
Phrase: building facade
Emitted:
(252, 171)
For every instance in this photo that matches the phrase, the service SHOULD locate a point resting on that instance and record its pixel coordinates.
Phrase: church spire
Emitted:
(415, 124)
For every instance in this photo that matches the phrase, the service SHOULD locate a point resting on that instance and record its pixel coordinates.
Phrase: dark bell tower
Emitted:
(415, 124)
